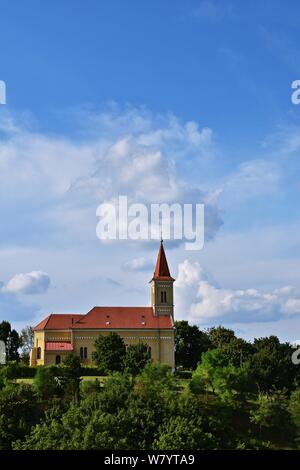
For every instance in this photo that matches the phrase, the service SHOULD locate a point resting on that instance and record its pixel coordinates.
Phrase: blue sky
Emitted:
(195, 96)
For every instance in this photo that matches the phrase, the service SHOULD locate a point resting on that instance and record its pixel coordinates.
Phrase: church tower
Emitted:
(162, 286)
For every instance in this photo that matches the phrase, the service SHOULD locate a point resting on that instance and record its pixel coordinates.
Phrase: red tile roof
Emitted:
(58, 346)
(161, 271)
(123, 318)
(58, 321)
(108, 318)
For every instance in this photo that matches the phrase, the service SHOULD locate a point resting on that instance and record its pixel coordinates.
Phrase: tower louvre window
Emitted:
(163, 297)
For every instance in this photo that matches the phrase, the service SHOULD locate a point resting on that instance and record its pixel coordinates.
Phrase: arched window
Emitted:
(83, 353)
(163, 297)
(38, 353)
(57, 359)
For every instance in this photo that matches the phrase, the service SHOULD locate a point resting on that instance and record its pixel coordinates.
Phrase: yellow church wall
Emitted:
(161, 343)
(57, 335)
(162, 349)
(50, 357)
(39, 342)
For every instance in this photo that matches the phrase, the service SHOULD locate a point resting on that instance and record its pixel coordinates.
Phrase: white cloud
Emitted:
(201, 301)
(122, 152)
(138, 264)
(35, 282)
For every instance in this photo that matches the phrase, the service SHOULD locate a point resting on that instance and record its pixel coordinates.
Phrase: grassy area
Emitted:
(101, 378)
(24, 381)
(84, 379)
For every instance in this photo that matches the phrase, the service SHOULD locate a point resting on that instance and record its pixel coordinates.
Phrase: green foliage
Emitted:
(70, 379)
(72, 366)
(211, 361)
(294, 410)
(220, 336)
(19, 411)
(9, 371)
(190, 343)
(179, 433)
(271, 413)
(238, 351)
(215, 373)
(232, 384)
(106, 431)
(156, 375)
(13, 370)
(26, 341)
(90, 387)
(136, 358)
(143, 405)
(210, 425)
(116, 390)
(109, 354)
(11, 340)
(45, 383)
(271, 365)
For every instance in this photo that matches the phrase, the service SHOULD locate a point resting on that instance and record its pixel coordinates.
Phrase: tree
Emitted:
(115, 393)
(19, 411)
(190, 343)
(71, 376)
(232, 384)
(210, 423)
(216, 373)
(110, 353)
(220, 336)
(156, 375)
(45, 383)
(238, 351)
(294, 410)
(136, 358)
(180, 433)
(271, 414)
(205, 372)
(26, 341)
(57, 432)
(11, 340)
(271, 365)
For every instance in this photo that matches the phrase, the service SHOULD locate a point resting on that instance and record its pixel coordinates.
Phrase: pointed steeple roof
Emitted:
(161, 271)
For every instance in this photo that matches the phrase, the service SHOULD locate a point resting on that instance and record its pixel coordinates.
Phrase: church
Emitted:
(60, 334)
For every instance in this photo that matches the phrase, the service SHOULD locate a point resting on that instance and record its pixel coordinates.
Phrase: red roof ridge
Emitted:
(120, 306)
